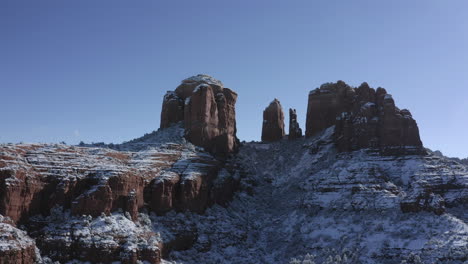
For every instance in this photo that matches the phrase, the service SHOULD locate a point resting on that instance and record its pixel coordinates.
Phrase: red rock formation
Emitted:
(164, 189)
(15, 245)
(363, 118)
(185, 89)
(172, 110)
(194, 192)
(34, 179)
(105, 239)
(294, 130)
(226, 142)
(325, 104)
(208, 113)
(21, 194)
(273, 122)
(201, 117)
(93, 202)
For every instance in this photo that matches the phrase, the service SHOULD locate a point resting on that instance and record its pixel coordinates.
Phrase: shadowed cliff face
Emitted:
(273, 122)
(207, 110)
(294, 130)
(363, 118)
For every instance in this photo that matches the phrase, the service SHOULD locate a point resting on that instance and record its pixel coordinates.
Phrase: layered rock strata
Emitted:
(361, 180)
(273, 122)
(294, 130)
(15, 245)
(363, 118)
(207, 110)
(36, 179)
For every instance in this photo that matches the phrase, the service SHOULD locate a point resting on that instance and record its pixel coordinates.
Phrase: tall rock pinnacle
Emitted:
(294, 130)
(273, 122)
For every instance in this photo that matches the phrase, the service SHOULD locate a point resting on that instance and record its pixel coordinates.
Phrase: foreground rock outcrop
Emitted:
(15, 245)
(90, 185)
(294, 130)
(207, 110)
(363, 118)
(273, 122)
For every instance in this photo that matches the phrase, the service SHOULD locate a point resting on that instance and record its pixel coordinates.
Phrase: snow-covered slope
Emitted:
(302, 202)
(83, 202)
(298, 201)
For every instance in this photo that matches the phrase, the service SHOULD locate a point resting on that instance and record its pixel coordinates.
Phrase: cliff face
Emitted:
(363, 118)
(40, 180)
(207, 110)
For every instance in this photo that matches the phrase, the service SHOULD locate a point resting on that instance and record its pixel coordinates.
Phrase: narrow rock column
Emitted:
(294, 130)
(273, 122)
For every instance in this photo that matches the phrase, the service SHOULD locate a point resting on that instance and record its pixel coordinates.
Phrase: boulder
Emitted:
(363, 118)
(294, 130)
(273, 122)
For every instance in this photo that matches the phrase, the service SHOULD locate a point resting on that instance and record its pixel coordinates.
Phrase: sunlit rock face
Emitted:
(273, 122)
(207, 110)
(86, 202)
(363, 118)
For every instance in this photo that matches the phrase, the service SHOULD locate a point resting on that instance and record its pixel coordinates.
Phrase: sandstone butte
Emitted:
(36, 179)
(363, 118)
(207, 110)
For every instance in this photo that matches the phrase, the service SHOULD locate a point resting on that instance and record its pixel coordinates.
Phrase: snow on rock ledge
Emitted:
(44, 179)
(15, 245)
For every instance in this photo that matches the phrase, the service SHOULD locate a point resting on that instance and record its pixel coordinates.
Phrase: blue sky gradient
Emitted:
(97, 70)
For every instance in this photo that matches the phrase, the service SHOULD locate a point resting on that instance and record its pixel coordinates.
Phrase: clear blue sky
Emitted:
(97, 70)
